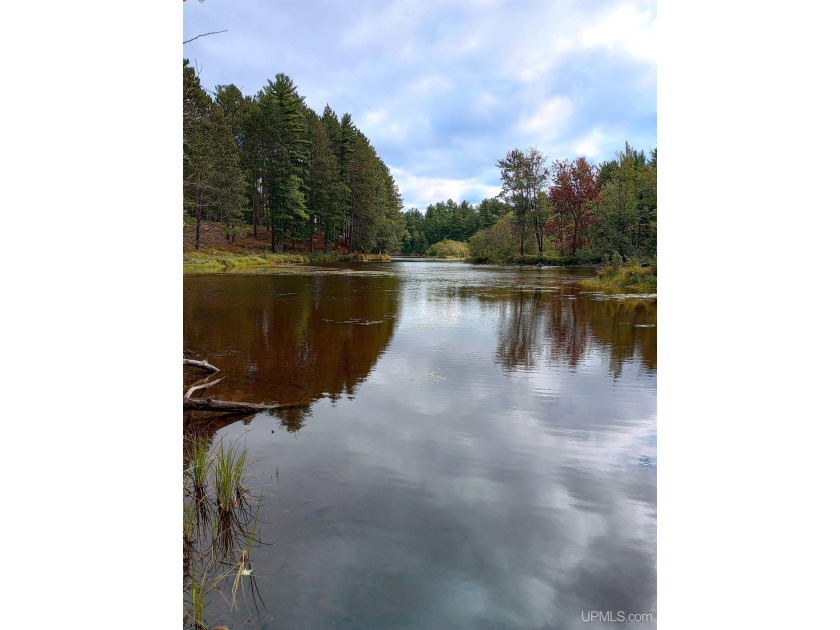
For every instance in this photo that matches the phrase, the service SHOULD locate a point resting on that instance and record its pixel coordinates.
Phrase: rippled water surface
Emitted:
(477, 449)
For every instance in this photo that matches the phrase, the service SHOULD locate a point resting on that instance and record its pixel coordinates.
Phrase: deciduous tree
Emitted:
(573, 197)
(524, 176)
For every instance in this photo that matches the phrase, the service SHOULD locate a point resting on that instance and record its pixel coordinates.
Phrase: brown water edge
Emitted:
(278, 339)
(456, 457)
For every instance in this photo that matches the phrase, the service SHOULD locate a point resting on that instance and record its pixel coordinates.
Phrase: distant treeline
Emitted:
(269, 160)
(574, 210)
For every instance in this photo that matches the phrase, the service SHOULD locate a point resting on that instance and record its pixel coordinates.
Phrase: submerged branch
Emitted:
(211, 404)
(201, 364)
(202, 385)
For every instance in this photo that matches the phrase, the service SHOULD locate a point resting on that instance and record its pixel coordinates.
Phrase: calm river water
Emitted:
(478, 449)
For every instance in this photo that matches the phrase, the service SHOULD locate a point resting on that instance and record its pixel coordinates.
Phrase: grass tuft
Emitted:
(621, 274)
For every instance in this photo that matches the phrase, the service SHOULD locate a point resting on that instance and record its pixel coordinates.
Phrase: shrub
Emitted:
(448, 248)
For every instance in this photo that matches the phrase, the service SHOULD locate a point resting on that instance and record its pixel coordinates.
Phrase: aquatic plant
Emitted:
(217, 543)
(228, 468)
(197, 453)
(194, 617)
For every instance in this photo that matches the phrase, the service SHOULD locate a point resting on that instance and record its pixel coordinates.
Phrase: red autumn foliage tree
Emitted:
(573, 197)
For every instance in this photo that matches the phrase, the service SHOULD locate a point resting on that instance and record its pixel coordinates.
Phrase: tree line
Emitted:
(573, 209)
(271, 161)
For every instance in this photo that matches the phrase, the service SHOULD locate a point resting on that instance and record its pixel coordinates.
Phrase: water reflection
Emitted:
(287, 338)
(493, 464)
(571, 323)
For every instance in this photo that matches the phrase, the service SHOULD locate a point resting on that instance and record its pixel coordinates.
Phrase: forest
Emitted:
(269, 161)
(573, 210)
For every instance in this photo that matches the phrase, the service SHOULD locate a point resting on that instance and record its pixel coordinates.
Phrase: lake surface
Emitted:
(477, 449)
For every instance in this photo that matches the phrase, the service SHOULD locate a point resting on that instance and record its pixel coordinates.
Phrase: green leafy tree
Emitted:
(627, 213)
(449, 249)
(524, 176)
(499, 242)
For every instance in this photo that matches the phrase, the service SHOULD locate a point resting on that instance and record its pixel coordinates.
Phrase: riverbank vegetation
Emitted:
(269, 165)
(619, 273)
(571, 213)
(449, 249)
(269, 161)
(222, 258)
(220, 528)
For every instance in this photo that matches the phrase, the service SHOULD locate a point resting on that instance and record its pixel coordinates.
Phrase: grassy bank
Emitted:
(571, 260)
(623, 275)
(217, 258)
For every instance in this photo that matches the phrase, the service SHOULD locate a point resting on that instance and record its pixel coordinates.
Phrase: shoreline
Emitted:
(221, 259)
(608, 277)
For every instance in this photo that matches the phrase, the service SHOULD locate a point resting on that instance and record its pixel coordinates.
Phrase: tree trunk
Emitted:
(256, 213)
(273, 239)
(198, 220)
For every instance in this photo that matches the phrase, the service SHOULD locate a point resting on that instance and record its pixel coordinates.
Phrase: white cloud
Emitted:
(432, 84)
(422, 191)
(442, 90)
(484, 102)
(590, 145)
(549, 118)
(625, 30)
(374, 117)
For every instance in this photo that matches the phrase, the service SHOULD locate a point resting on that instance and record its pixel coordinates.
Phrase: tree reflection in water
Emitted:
(286, 338)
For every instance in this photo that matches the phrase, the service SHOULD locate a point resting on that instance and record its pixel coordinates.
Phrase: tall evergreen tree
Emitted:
(326, 190)
(197, 159)
(285, 159)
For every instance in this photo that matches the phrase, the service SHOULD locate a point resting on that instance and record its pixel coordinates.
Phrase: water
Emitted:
(478, 448)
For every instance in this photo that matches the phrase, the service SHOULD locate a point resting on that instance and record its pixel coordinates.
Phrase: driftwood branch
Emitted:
(227, 406)
(224, 406)
(192, 39)
(202, 364)
(202, 385)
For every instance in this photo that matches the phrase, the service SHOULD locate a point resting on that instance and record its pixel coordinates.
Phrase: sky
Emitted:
(443, 90)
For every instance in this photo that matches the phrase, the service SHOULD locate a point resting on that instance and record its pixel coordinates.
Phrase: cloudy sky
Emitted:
(444, 89)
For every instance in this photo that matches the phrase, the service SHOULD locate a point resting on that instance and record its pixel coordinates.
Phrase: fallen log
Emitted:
(202, 364)
(228, 406)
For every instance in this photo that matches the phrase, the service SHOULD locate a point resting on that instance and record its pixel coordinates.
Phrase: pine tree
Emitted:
(284, 160)
(197, 148)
